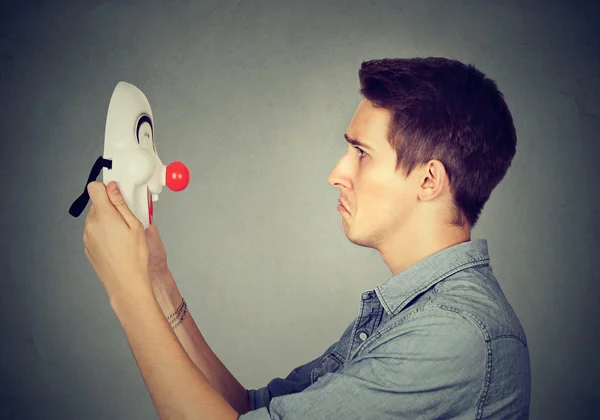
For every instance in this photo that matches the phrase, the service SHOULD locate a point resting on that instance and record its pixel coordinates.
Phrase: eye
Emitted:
(361, 152)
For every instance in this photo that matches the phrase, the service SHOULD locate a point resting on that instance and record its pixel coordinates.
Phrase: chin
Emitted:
(359, 240)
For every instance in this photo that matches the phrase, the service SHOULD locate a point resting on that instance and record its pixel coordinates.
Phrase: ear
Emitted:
(434, 179)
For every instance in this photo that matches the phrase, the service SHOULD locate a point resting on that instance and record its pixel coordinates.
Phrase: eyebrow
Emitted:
(356, 142)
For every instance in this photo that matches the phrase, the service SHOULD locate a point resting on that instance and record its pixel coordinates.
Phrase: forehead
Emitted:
(370, 123)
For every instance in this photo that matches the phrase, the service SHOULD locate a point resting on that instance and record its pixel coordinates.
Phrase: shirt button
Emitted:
(363, 336)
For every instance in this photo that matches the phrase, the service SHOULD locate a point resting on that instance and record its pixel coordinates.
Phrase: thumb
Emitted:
(152, 229)
(117, 199)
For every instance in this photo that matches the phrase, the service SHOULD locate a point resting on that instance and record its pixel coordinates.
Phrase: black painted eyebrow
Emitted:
(356, 142)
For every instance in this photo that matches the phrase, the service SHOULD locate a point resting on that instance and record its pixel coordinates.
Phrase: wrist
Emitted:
(166, 292)
(172, 304)
(161, 280)
(127, 300)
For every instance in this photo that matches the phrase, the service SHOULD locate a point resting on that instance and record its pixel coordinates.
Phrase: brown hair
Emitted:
(446, 110)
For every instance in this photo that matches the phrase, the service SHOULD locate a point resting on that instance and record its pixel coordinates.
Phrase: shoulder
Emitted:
(425, 349)
(476, 294)
(432, 332)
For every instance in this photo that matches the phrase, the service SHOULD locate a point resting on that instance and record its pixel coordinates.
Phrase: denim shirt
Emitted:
(436, 341)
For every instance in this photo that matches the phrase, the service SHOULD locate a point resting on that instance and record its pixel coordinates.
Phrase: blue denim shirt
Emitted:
(436, 341)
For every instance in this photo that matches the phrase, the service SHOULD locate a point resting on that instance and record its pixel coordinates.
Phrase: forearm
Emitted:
(169, 297)
(179, 390)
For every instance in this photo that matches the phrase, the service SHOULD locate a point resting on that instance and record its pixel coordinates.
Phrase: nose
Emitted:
(177, 176)
(336, 176)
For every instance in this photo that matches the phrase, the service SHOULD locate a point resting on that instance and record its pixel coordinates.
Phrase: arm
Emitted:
(177, 387)
(169, 297)
(430, 366)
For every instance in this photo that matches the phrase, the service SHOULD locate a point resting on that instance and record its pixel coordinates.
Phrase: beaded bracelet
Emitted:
(176, 317)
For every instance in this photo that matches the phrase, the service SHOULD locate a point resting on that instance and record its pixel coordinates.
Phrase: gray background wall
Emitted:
(254, 97)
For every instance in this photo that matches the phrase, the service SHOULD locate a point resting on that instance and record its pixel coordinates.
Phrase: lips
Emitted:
(343, 205)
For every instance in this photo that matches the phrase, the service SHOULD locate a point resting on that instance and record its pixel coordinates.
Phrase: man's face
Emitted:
(379, 201)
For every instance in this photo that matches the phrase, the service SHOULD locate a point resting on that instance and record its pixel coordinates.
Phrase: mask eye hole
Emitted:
(140, 132)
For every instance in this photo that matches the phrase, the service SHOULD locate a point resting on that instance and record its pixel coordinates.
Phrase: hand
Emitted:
(157, 263)
(115, 242)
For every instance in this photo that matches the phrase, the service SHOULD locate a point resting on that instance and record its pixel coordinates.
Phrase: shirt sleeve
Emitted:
(432, 364)
(296, 381)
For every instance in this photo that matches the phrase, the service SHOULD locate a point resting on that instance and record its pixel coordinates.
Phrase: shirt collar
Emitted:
(396, 292)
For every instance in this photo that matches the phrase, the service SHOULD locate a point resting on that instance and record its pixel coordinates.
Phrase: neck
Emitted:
(416, 243)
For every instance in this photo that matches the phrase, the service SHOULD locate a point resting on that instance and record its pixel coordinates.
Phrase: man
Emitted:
(427, 145)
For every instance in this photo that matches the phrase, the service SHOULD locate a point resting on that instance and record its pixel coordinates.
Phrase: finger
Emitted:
(102, 203)
(87, 217)
(95, 189)
(117, 199)
(90, 215)
(152, 230)
(99, 198)
(87, 254)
